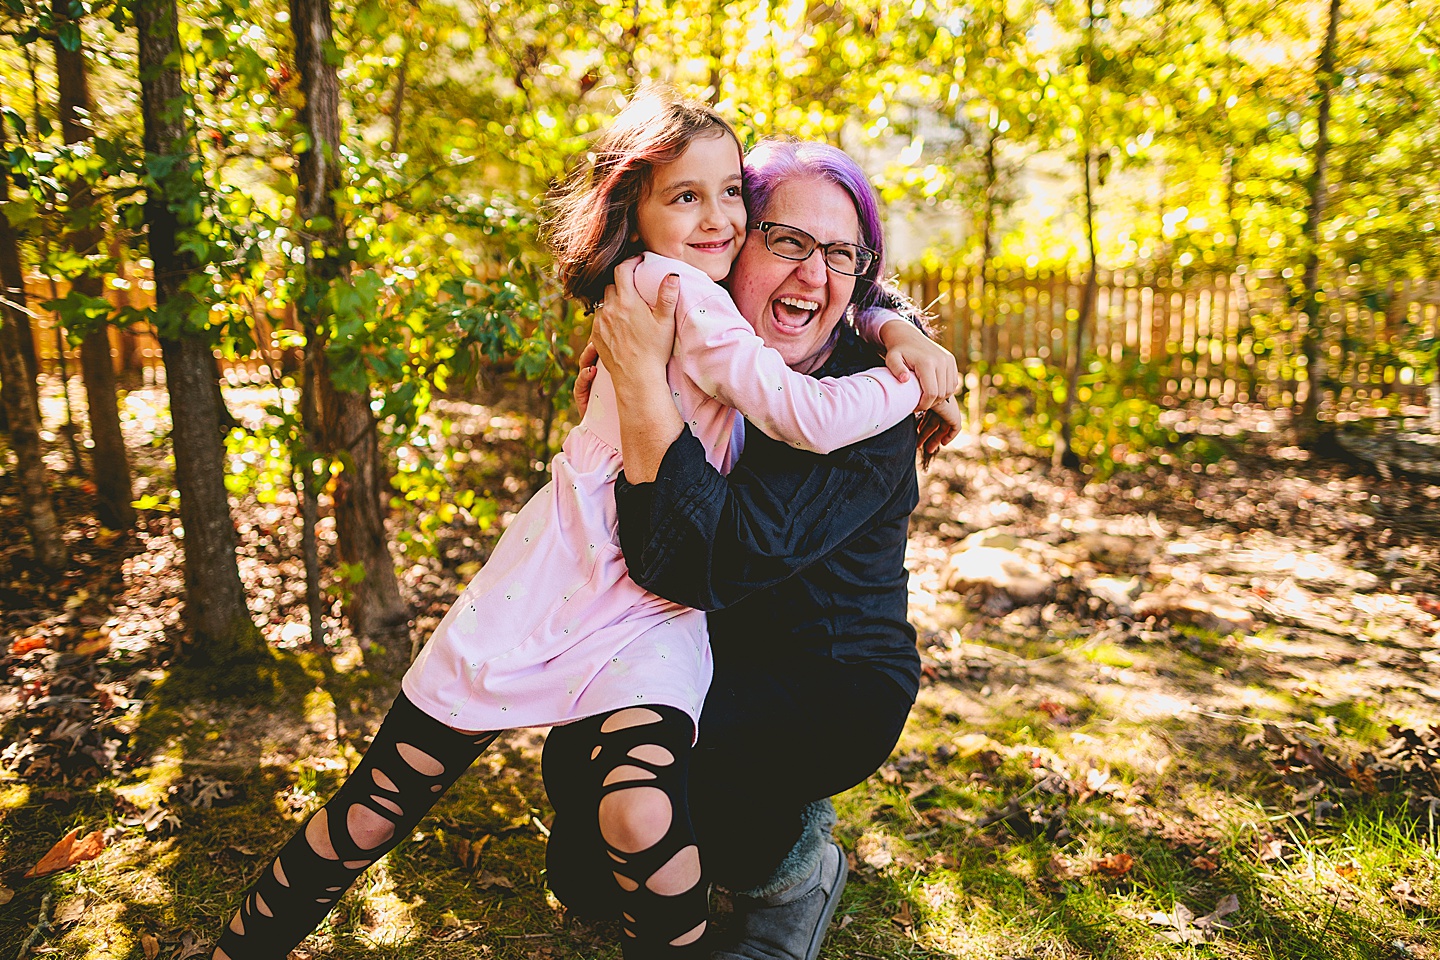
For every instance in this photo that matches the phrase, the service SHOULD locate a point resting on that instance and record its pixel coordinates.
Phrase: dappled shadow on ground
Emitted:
(1077, 779)
(1083, 777)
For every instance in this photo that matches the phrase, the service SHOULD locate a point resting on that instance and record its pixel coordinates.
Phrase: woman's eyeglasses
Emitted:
(792, 243)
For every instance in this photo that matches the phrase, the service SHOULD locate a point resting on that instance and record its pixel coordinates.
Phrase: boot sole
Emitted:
(831, 904)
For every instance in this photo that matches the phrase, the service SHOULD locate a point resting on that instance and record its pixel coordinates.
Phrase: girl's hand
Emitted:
(939, 425)
(908, 349)
(633, 339)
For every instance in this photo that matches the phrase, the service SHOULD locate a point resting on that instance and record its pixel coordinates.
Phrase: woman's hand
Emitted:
(635, 342)
(908, 349)
(939, 425)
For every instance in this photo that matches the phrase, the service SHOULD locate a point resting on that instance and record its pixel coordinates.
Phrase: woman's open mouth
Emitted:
(792, 314)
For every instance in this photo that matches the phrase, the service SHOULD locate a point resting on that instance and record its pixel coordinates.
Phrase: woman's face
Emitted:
(795, 305)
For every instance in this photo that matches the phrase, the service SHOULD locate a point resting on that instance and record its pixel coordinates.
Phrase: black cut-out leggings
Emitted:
(638, 766)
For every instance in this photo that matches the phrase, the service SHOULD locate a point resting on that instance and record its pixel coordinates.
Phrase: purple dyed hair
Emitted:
(774, 161)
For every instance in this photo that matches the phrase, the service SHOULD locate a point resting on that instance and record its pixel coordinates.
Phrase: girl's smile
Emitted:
(693, 210)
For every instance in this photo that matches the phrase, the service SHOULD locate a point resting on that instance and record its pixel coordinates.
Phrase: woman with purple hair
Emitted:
(797, 556)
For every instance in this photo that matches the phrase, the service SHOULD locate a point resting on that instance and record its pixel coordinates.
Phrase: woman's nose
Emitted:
(812, 269)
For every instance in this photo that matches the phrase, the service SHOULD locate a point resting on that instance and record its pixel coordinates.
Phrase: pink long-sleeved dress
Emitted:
(552, 629)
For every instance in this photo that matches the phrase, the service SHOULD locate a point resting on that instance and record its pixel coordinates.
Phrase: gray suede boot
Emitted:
(787, 917)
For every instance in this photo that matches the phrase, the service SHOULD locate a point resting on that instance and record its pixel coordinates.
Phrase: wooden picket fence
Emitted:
(135, 349)
(1224, 338)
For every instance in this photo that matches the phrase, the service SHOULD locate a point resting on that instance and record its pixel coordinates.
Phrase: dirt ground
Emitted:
(1142, 697)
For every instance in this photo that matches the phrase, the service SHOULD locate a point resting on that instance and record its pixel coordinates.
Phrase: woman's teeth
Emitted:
(794, 311)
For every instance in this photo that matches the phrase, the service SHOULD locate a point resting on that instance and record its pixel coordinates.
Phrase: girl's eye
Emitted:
(685, 197)
(732, 191)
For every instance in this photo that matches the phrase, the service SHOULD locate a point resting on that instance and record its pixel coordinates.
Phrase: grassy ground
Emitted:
(1071, 783)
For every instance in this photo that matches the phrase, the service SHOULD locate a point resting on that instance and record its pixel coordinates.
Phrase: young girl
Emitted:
(553, 630)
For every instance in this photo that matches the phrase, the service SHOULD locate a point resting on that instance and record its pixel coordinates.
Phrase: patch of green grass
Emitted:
(932, 882)
(1200, 814)
(1358, 720)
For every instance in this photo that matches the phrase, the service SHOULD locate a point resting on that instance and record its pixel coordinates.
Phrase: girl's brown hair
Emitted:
(595, 207)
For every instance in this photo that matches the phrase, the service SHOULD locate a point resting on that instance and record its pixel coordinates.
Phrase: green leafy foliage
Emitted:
(1117, 425)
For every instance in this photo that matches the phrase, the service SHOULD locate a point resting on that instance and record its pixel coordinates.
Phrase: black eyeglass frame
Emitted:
(873, 255)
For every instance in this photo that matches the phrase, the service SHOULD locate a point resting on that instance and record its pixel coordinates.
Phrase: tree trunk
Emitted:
(220, 624)
(20, 400)
(986, 283)
(1065, 455)
(17, 393)
(1312, 341)
(309, 490)
(16, 308)
(132, 361)
(109, 463)
(373, 605)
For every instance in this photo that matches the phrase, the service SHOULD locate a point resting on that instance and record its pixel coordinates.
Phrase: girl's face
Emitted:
(692, 210)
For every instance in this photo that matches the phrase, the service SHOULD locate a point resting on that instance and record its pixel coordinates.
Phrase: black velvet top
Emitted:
(792, 548)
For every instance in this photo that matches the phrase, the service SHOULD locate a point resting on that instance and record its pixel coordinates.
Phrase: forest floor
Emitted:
(1180, 713)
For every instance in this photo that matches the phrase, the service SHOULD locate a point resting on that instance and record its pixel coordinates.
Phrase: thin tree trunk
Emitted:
(373, 605)
(16, 308)
(309, 489)
(221, 628)
(1312, 341)
(132, 362)
(981, 402)
(46, 536)
(109, 462)
(69, 429)
(1065, 455)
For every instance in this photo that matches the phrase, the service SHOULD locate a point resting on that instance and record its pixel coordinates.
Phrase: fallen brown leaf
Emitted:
(68, 852)
(469, 850)
(1204, 863)
(150, 946)
(486, 880)
(191, 946)
(903, 918)
(70, 910)
(1115, 865)
(6, 895)
(1271, 848)
(25, 645)
(1056, 712)
(1227, 905)
(1404, 893)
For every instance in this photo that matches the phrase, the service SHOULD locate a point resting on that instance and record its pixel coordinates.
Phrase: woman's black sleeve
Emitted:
(699, 538)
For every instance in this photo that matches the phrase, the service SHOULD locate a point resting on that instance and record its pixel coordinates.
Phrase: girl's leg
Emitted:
(411, 762)
(625, 784)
